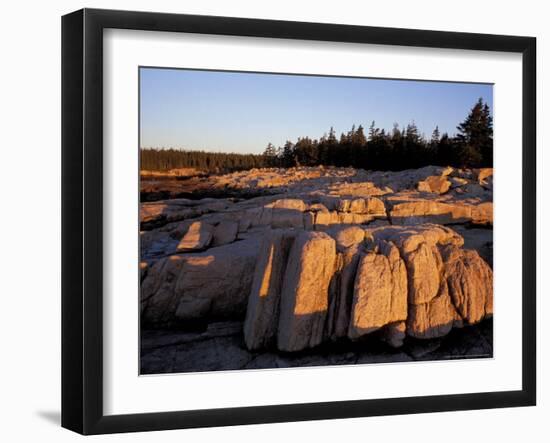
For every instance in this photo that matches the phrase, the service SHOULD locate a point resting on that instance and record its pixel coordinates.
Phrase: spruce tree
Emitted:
(435, 136)
(475, 135)
(288, 155)
(373, 130)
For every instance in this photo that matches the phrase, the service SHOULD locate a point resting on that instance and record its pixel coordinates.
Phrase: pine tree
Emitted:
(331, 139)
(373, 130)
(270, 150)
(445, 154)
(411, 133)
(475, 135)
(288, 154)
(435, 136)
(359, 138)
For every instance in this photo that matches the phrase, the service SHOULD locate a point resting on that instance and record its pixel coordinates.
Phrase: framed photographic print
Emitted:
(269, 221)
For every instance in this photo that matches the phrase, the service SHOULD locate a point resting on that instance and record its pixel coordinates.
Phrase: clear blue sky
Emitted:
(243, 112)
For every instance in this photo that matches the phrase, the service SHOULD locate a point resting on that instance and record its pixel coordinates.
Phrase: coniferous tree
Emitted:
(270, 150)
(288, 154)
(435, 136)
(331, 136)
(359, 138)
(414, 148)
(380, 149)
(357, 150)
(411, 133)
(433, 145)
(270, 154)
(446, 152)
(475, 135)
(373, 130)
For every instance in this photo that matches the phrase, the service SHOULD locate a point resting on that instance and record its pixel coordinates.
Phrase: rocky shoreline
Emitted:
(330, 266)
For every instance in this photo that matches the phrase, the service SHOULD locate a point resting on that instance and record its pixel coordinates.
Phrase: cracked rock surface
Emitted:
(316, 266)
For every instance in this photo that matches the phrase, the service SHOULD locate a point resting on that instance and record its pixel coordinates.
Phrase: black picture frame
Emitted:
(82, 215)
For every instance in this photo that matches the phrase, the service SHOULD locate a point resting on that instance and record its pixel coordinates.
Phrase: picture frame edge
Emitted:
(82, 359)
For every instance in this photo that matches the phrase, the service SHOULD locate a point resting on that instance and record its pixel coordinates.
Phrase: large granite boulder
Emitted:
(409, 238)
(346, 236)
(434, 318)
(380, 291)
(438, 267)
(262, 314)
(304, 297)
(198, 286)
(470, 282)
(424, 266)
(310, 287)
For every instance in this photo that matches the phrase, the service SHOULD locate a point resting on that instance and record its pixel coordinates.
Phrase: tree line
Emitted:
(375, 149)
(164, 159)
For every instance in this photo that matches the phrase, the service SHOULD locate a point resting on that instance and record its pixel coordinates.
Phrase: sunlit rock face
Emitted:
(435, 184)
(262, 314)
(324, 255)
(197, 286)
(197, 237)
(305, 291)
(470, 284)
(415, 281)
(380, 291)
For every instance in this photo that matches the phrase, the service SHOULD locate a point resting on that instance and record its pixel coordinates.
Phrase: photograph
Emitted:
(291, 220)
